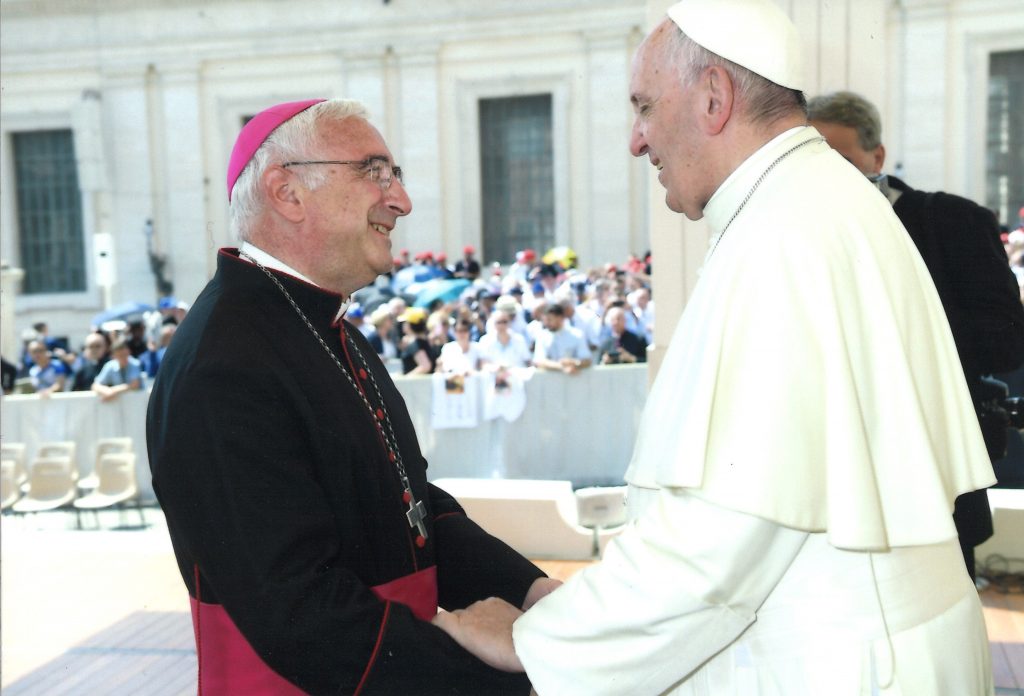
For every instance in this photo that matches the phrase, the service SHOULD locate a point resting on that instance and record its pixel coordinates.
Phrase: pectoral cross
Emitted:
(416, 513)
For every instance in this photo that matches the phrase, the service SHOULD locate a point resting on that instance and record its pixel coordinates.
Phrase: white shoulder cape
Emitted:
(812, 379)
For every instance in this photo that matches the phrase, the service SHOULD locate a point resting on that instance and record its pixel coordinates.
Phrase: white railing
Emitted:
(579, 428)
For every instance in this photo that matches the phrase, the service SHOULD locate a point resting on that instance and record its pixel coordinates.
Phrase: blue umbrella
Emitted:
(413, 274)
(444, 289)
(128, 311)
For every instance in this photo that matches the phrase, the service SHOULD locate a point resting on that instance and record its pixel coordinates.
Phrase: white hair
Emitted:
(295, 139)
(762, 100)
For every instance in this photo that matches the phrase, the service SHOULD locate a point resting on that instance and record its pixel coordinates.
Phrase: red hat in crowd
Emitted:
(468, 249)
(255, 133)
(441, 256)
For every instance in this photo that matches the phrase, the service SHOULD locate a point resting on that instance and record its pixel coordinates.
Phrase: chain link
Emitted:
(757, 183)
(388, 432)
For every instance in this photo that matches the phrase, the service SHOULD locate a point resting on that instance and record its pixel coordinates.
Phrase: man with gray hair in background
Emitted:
(314, 551)
(807, 432)
(959, 242)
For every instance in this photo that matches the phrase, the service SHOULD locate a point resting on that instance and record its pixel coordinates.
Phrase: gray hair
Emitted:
(851, 110)
(295, 139)
(760, 99)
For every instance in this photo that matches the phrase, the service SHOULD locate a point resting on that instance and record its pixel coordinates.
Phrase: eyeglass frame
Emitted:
(366, 165)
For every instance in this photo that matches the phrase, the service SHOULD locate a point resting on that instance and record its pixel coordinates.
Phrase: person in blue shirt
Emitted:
(120, 374)
(151, 359)
(48, 375)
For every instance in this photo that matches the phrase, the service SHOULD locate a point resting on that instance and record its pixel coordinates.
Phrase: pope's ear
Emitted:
(283, 192)
(716, 101)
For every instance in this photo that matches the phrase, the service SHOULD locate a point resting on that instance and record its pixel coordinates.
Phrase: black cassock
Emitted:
(959, 242)
(287, 517)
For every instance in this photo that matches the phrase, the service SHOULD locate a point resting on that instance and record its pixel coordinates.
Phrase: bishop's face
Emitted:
(664, 126)
(352, 216)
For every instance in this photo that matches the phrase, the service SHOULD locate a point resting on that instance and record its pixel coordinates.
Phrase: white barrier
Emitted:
(539, 519)
(578, 428)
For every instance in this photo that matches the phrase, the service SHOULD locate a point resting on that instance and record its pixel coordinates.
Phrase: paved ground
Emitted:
(62, 588)
(103, 611)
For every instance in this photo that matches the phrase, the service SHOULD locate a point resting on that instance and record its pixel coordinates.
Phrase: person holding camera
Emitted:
(620, 345)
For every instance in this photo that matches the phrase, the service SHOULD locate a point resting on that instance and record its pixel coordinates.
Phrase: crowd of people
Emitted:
(115, 356)
(551, 315)
(547, 314)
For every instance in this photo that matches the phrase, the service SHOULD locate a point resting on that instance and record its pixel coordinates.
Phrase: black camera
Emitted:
(997, 411)
(997, 405)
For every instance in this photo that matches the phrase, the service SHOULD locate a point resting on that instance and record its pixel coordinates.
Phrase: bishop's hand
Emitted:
(484, 629)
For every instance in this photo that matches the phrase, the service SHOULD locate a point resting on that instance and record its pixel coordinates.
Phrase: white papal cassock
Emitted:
(794, 477)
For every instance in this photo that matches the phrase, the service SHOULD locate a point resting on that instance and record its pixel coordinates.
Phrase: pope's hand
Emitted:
(484, 629)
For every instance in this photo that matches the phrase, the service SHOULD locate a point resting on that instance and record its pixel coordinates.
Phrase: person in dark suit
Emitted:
(959, 242)
(620, 345)
(95, 353)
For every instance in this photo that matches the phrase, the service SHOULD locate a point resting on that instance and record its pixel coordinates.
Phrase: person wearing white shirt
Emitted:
(461, 356)
(501, 348)
(559, 346)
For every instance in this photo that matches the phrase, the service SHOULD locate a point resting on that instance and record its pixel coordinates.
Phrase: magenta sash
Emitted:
(229, 665)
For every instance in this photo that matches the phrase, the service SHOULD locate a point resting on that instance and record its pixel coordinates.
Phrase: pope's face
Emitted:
(664, 126)
(352, 216)
(843, 139)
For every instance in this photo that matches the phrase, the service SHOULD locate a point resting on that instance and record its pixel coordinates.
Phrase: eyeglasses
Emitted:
(501, 321)
(378, 169)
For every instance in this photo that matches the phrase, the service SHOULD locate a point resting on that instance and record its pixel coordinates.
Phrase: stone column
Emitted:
(10, 342)
(415, 142)
(608, 232)
(126, 135)
(177, 190)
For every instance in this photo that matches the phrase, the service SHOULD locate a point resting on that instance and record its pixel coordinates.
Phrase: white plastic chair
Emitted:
(50, 486)
(10, 491)
(58, 449)
(537, 518)
(15, 451)
(600, 509)
(106, 445)
(117, 486)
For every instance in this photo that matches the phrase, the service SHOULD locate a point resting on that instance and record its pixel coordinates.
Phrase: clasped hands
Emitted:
(484, 628)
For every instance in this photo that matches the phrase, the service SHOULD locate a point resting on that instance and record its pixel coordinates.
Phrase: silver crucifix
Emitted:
(416, 513)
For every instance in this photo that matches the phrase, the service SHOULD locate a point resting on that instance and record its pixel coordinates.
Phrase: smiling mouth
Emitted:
(380, 228)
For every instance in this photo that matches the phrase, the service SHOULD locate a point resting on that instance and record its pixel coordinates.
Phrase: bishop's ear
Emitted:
(282, 191)
(717, 99)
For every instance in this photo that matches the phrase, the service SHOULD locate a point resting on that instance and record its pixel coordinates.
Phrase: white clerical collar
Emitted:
(723, 203)
(272, 262)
